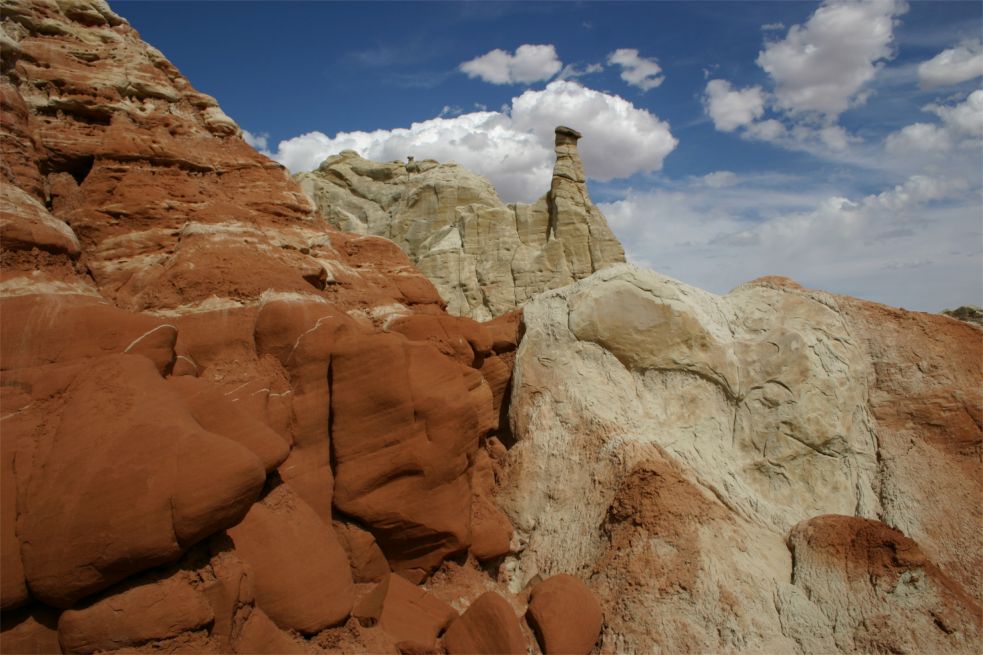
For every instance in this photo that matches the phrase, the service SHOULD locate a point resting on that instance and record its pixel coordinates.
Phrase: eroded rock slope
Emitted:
(744, 472)
(486, 258)
(224, 422)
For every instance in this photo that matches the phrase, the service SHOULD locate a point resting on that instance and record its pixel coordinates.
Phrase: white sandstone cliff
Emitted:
(485, 257)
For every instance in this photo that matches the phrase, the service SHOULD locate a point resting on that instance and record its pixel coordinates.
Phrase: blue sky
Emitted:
(840, 144)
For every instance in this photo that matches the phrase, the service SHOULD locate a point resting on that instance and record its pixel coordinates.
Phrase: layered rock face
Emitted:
(736, 472)
(228, 427)
(202, 383)
(484, 257)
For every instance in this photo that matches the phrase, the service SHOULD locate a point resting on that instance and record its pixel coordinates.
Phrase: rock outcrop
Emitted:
(228, 427)
(200, 378)
(673, 439)
(484, 257)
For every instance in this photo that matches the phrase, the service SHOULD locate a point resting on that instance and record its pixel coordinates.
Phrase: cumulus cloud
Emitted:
(914, 244)
(823, 65)
(770, 27)
(529, 63)
(513, 147)
(258, 140)
(645, 73)
(960, 127)
(952, 66)
(731, 108)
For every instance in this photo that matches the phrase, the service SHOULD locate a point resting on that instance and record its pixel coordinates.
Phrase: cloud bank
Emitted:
(513, 147)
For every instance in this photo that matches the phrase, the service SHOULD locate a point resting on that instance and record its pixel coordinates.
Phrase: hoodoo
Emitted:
(485, 258)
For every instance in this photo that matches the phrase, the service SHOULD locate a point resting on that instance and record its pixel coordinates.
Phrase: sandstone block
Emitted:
(404, 611)
(488, 627)
(144, 479)
(300, 571)
(565, 615)
(132, 615)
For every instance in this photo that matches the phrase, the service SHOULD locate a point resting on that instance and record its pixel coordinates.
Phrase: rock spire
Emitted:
(485, 257)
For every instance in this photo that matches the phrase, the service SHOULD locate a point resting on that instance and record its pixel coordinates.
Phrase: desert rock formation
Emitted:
(676, 448)
(485, 258)
(222, 418)
(228, 427)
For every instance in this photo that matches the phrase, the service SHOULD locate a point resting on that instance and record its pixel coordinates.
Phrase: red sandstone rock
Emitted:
(145, 482)
(261, 635)
(565, 615)
(39, 329)
(401, 444)
(886, 595)
(505, 331)
(491, 531)
(927, 398)
(488, 627)
(174, 217)
(404, 611)
(134, 614)
(13, 590)
(300, 571)
(300, 336)
(26, 224)
(228, 590)
(214, 412)
(30, 631)
(366, 558)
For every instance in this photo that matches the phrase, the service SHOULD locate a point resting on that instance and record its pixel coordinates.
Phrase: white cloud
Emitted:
(822, 66)
(767, 130)
(258, 141)
(530, 63)
(961, 127)
(572, 72)
(637, 71)
(513, 148)
(912, 245)
(719, 179)
(964, 119)
(770, 27)
(952, 66)
(730, 108)
(919, 139)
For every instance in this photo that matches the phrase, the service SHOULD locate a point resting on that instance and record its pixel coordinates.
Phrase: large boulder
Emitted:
(667, 424)
(488, 627)
(140, 612)
(404, 611)
(130, 479)
(300, 571)
(401, 444)
(565, 615)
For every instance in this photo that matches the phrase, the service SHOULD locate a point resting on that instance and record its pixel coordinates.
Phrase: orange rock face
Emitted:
(488, 627)
(190, 355)
(565, 615)
(927, 397)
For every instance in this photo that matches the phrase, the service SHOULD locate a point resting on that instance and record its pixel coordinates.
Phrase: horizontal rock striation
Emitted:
(485, 257)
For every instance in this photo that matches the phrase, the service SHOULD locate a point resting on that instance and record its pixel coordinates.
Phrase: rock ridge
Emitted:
(485, 258)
